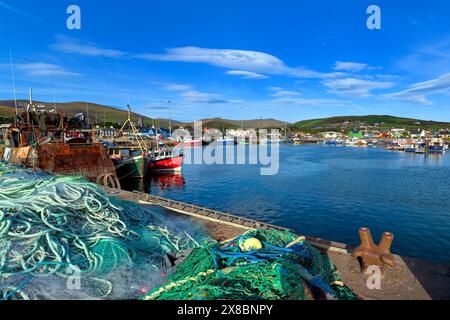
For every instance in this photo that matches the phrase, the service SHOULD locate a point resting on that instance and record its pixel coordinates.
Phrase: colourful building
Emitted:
(355, 134)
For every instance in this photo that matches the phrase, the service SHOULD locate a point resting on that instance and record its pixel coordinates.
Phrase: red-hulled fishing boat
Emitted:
(165, 161)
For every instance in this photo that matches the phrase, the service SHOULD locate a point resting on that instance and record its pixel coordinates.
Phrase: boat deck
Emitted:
(412, 279)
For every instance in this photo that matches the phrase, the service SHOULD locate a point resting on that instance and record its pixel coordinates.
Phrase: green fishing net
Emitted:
(56, 229)
(274, 272)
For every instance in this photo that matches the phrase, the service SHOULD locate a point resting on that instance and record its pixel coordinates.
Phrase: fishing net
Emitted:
(65, 238)
(285, 266)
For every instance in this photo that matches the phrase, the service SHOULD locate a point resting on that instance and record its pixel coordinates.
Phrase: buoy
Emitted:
(250, 244)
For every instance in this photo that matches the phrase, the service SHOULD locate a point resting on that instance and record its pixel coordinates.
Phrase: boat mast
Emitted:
(14, 86)
(87, 109)
(30, 104)
(54, 96)
(170, 118)
(142, 143)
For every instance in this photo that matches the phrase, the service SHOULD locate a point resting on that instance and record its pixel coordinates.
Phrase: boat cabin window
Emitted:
(135, 153)
(125, 153)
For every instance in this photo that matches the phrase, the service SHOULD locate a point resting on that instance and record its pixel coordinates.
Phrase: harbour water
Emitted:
(330, 192)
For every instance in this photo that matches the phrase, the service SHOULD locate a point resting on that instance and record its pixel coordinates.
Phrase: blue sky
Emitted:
(290, 60)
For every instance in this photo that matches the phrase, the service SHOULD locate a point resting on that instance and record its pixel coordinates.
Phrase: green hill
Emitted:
(97, 113)
(381, 121)
(113, 116)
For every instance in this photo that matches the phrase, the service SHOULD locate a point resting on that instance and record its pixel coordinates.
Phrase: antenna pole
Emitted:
(54, 96)
(14, 86)
(87, 108)
(170, 118)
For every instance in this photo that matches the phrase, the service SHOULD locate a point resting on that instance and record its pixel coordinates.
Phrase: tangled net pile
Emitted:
(285, 266)
(53, 227)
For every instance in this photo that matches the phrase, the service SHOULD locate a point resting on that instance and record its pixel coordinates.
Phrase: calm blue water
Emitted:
(330, 192)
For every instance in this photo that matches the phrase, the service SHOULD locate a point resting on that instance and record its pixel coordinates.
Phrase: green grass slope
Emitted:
(383, 121)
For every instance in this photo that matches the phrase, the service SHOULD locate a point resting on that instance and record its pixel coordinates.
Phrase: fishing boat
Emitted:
(42, 138)
(436, 145)
(351, 142)
(129, 162)
(334, 143)
(225, 141)
(128, 152)
(420, 148)
(410, 149)
(435, 149)
(192, 143)
(164, 161)
(394, 146)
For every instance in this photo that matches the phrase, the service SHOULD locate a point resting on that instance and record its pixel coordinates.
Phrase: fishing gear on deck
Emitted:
(261, 264)
(49, 223)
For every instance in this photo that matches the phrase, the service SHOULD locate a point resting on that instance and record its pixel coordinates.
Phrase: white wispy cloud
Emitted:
(309, 102)
(40, 69)
(247, 74)
(419, 92)
(70, 45)
(20, 12)
(45, 69)
(190, 95)
(353, 87)
(195, 96)
(174, 86)
(233, 59)
(280, 92)
(427, 59)
(242, 60)
(352, 66)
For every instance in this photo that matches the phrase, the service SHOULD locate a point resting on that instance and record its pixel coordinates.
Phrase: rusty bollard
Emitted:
(371, 254)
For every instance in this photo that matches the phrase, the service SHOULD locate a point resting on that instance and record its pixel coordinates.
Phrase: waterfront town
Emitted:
(241, 153)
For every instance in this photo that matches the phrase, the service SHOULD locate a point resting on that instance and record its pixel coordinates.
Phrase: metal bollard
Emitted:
(372, 254)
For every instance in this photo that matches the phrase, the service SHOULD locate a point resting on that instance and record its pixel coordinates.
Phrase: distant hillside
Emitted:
(219, 123)
(381, 121)
(111, 115)
(97, 112)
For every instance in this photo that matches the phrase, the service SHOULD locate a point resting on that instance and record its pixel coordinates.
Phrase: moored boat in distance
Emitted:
(420, 148)
(410, 149)
(334, 142)
(435, 149)
(225, 141)
(436, 146)
(192, 143)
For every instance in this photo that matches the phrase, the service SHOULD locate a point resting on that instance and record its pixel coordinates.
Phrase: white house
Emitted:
(417, 134)
(397, 133)
(331, 135)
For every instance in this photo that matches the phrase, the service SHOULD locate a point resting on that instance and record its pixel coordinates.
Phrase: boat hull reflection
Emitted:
(155, 183)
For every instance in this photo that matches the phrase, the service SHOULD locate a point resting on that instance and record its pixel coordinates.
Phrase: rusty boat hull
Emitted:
(90, 160)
